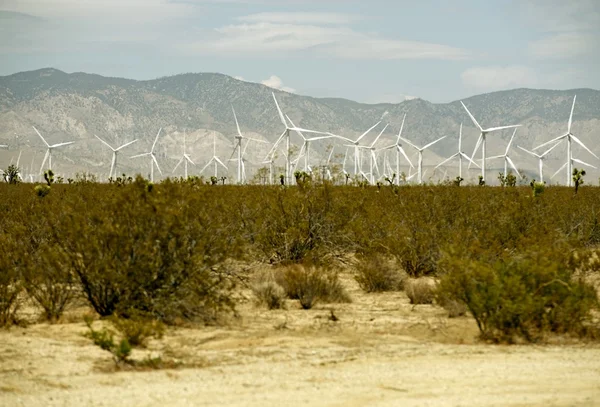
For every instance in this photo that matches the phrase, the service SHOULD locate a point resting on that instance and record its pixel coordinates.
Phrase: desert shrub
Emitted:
(10, 286)
(150, 252)
(454, 307)
(420, 290)
(49, 283)
(527, 295)
(310, 285)
(377, 273)
(268, 292)
(105, 339)
(137, 331)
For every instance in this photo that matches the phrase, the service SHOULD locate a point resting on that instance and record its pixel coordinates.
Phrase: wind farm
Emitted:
(257, 203)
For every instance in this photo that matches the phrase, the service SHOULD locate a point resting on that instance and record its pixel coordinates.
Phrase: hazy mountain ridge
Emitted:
(77, 106)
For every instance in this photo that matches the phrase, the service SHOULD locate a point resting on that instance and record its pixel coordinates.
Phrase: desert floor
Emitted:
(381, 351)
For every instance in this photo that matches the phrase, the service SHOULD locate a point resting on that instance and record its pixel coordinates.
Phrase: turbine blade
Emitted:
(571, 115)
(140, 155)
(470, 161)
(367, 132)
(549, 150)
(156, 162)
(475, 149)
(236, 122)
(62, 144)
(187, 157)
(126, 144)
(409, 143)
(583, 145)
(401, 128)
(551, 141)
(433, 142)
(511, 140)
(446, 160)
(559, 170)
(583, 163)
(178, 164)
(105, 143)
(220, 162)
(281, 117)
(39, 134)
(155, 140)
(491, 129)
(513, 166)
(405, 157)
(471, 116)
(377, 138)
(531, 152)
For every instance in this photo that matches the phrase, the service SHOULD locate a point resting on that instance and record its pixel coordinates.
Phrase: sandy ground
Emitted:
(381, 352)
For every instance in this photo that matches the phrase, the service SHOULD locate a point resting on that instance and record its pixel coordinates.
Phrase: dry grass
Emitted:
(267, 291)
(377, 274)
(420, 290)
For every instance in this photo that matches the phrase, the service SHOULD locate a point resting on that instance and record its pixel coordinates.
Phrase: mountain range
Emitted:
(77, 106)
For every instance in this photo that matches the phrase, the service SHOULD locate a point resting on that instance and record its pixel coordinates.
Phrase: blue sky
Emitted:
(369, 51)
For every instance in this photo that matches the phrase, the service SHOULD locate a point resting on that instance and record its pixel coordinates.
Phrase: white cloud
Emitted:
(239, 78)
(490, 78)
(564, 45)
(300, 18)
(275, 82)
(339, 41)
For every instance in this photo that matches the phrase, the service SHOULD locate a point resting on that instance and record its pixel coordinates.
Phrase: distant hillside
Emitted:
(76, 106)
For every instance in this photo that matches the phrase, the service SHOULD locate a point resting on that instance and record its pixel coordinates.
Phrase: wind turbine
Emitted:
(372, 156)
(507, 160)
(185, 159)
(570, 138)
(113, 165)
(356, 145)
(214, 159)
(481, 139)
(541, 158)
(399, 150)
(153, 160)
(420, 160)
(572, 160)
(48, 155)
(241, 170)
(460, 154)
(286, 134)
(306, 145)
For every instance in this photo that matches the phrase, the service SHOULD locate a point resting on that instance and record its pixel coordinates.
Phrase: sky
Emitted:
(370, 51)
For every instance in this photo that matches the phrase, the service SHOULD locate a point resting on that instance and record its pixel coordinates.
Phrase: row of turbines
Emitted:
(358, 146)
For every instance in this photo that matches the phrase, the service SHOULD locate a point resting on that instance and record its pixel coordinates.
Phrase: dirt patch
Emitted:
(378, 350)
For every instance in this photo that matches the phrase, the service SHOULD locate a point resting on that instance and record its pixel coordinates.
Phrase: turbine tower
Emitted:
(570, 138)
(460, 154)
(241, 170)
(305, 149)
(357, 146)
(185, 159)
(399, 150)
(373, 156)
(153, 160)
(482, 136)
(420, 160)
(113, 165)
(541, 158)
(214, 159)
(49, 149)
(507, 160)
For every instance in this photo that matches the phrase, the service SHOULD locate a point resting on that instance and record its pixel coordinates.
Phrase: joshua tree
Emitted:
(481, 181)
(11, 175)
(457, 181)
(578, 178)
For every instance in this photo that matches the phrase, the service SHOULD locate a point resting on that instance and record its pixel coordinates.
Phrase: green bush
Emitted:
(526, 296)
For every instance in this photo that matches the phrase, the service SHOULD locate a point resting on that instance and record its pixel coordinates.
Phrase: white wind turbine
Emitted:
(305, 149)
(420, 160)
(153, 160)
(214, 159)
(372, 156)
(357, 146)
(399, 150)
(460, 154)
(113, 165)
(507, 160)
(286, 135)
(49, 149)
(570, 138)
(571, 161)
(241, 170)
(185, 159)
(481, 139)
(541, 158)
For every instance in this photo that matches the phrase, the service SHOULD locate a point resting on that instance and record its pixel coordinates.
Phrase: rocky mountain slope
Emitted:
(77, 106)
